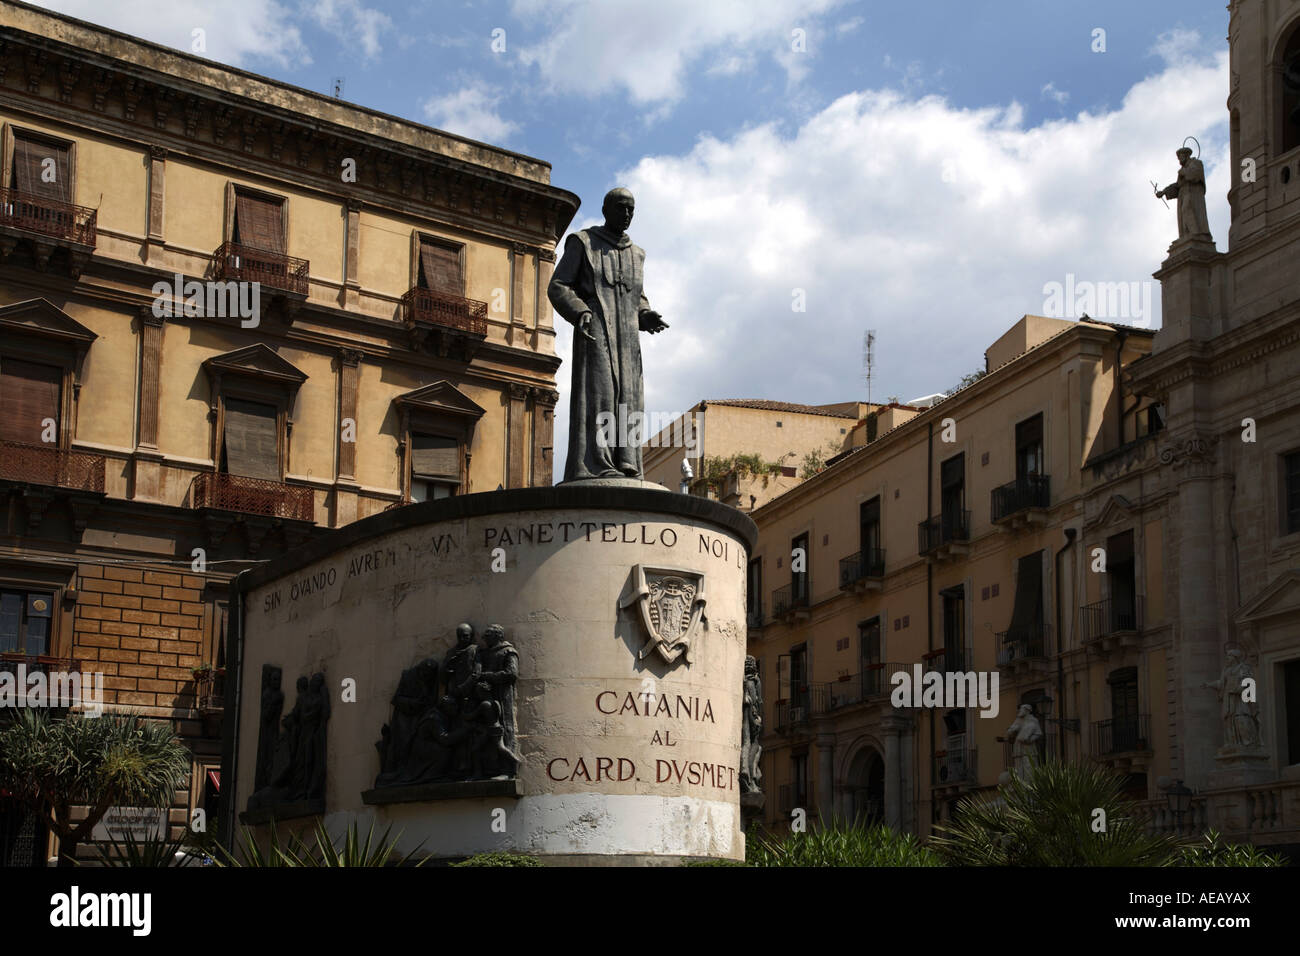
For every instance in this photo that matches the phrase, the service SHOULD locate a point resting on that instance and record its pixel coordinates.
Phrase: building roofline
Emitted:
(207, 65)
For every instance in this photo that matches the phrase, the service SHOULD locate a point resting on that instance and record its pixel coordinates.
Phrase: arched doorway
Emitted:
(867, 788)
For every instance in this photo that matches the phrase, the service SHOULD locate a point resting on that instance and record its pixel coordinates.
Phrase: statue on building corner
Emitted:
(1238, 706)
(1189, 190)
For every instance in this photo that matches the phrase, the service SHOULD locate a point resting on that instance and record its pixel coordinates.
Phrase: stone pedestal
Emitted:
(627, 756)
(1240, 769)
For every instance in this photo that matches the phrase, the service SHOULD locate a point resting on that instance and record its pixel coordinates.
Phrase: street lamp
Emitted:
(1180, 801)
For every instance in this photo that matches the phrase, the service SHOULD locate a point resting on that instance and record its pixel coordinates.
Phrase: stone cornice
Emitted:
(191, 115)
(1235, 348)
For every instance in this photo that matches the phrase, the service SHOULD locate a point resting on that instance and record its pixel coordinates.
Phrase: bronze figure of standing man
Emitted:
(597, 288)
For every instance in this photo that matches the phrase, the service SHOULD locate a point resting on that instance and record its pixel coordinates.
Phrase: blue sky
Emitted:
(922, 170)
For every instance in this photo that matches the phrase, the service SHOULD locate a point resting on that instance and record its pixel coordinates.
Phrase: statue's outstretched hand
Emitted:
(652, 322)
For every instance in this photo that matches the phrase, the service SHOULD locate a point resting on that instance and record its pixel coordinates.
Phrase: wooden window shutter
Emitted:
(259, 222)
(436, 456)
(1027, 612)
(29, 158)
(252, 447)
(29, 394)
(440, 268)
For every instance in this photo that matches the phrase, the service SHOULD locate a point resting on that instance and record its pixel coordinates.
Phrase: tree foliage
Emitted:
(52, 765)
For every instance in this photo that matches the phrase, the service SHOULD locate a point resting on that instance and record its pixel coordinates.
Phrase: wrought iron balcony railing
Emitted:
(945, 660)
(236, 262)
(806, 702)
(864, 565)
(448, 311)
(1122, 735)
(48, 217)
(211, 692)
(875, 680)
(1025, 643)
(256, 496)
(789, 598)
(1031, 491)
(943, 529)
(1109, 617)
(55, 467)
(38, 664)
(949, 767)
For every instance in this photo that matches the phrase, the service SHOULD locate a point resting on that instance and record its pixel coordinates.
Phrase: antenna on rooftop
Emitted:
(338, 87)
(868, 358)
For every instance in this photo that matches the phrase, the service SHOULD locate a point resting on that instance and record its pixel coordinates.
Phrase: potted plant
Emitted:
(204, 671)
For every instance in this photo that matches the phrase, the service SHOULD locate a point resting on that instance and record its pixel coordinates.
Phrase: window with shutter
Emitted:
(30, 167)
(439, 268)
(435, 467)
(259, 222)
(25, 618)
(251, 446)
(1027, 613)
(29, 394)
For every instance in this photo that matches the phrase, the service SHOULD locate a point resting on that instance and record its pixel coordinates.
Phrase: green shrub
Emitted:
(840, 844)
(1213, 851)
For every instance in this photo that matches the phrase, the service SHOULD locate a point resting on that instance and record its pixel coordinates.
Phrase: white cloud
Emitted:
(598, 46)
(849, 25)
(235, 31)
(351, 22)
(1050, 92)
(470, 112)
(853, 207)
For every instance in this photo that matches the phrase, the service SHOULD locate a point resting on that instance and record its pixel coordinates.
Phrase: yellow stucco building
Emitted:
(232, 313)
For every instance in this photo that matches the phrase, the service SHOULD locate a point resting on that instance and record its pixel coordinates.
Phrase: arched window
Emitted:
(1289, 71)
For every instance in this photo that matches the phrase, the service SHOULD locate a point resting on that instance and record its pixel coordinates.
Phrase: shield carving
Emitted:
(670, 605)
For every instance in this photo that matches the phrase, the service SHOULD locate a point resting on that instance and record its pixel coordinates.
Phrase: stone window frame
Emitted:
(460, 248)
(418, 415)
(228, 225)
(62, 583)
(49, 346)
(12, 130)
(230, 380)
(1285, 531)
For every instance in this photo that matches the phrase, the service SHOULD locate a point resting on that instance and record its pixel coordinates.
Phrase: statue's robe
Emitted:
(601, 273)
(1192, 218)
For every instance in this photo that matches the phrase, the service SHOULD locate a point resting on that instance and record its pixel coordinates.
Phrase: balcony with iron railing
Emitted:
(945, 660)
(1122, 735)
(874, 682)
(421, 305)
(1023, 644)
(944, 532)
(1023, 499)
(1111, 619)
(51, 466)
(48, 218)
(863, 569)
(255, 496)
(788, 601)
(952, 767)
(809, 701)
(211, 690)
(236, 262)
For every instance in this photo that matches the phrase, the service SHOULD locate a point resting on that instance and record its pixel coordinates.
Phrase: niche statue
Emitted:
(454, 722)
(751, 730)
(294, 768)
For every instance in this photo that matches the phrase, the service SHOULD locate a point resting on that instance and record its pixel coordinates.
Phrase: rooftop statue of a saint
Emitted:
(597, 288)
(1189, 190)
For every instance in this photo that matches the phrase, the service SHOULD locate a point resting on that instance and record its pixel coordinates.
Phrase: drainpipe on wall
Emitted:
(1060, 656)
(229, 758)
